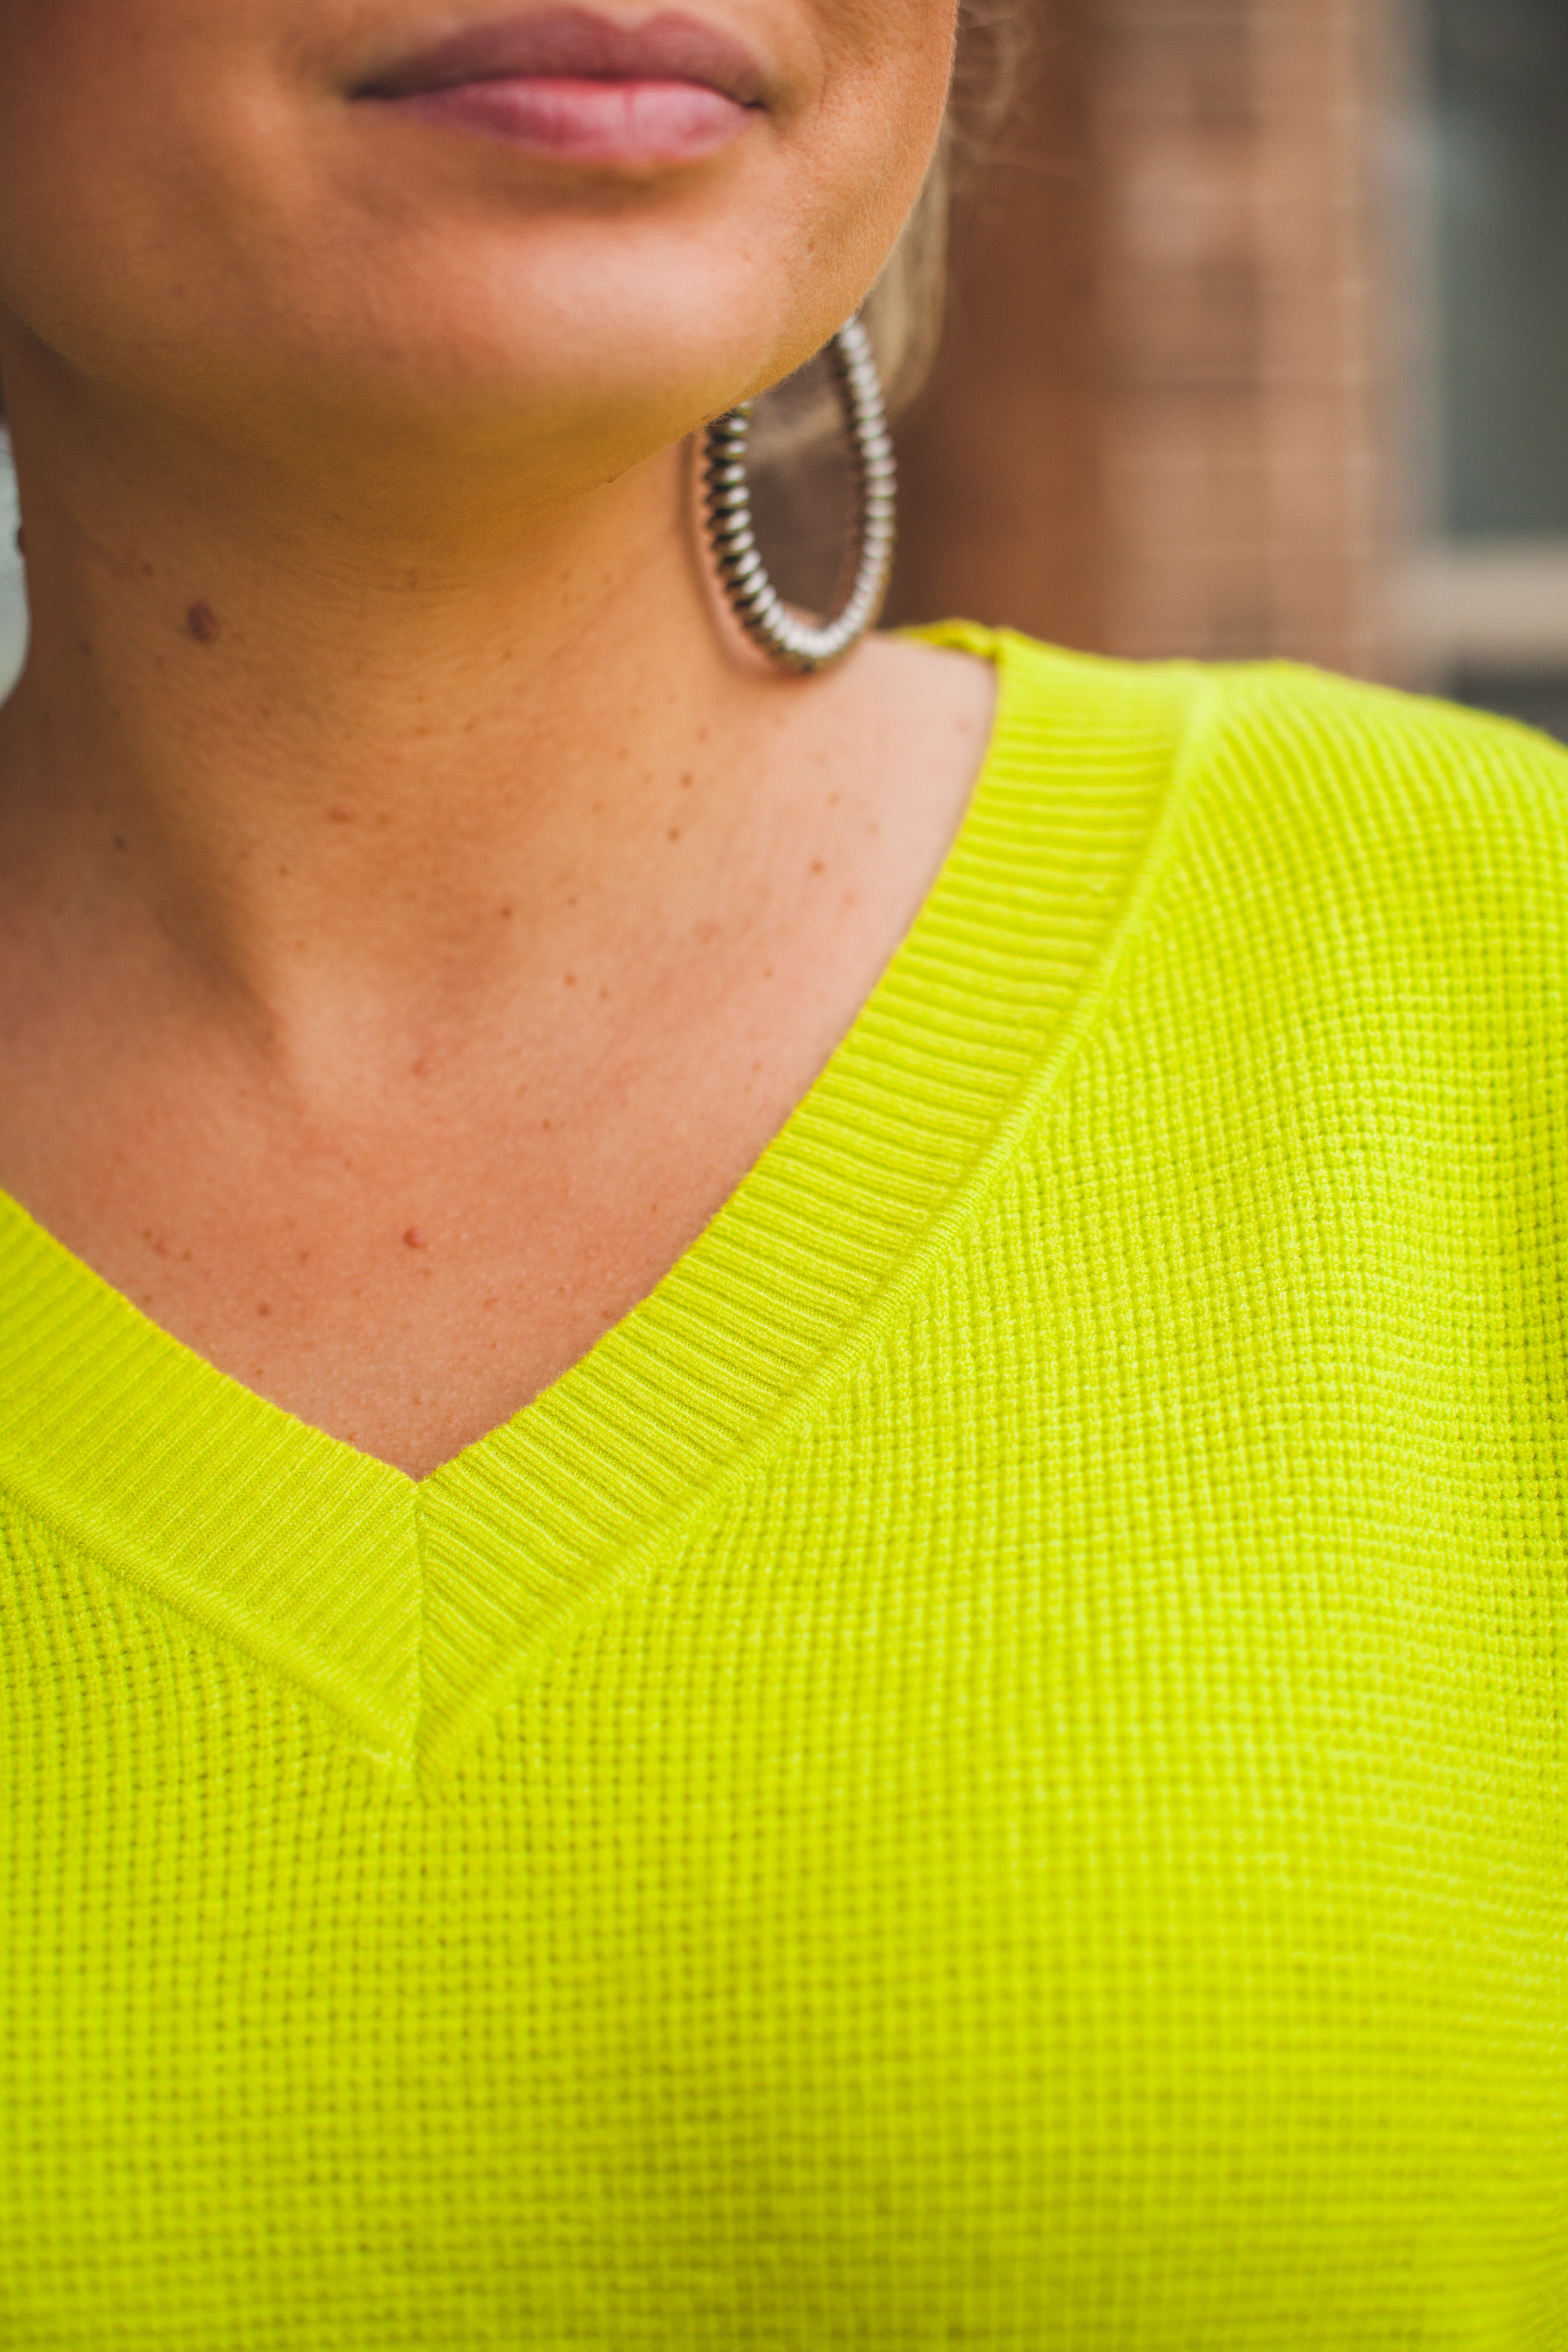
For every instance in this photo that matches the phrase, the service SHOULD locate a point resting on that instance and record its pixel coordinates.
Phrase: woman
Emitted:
(712, 1636)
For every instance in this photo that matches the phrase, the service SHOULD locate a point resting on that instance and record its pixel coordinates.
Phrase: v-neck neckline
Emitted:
(407, 1606)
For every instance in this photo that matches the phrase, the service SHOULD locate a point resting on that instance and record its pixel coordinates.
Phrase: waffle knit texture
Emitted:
(987, 1769)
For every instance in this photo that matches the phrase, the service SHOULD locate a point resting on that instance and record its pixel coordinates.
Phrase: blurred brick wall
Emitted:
(1003, 507)
(1159, 423)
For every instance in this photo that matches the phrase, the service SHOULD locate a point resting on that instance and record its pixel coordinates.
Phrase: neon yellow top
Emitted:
(988, 1769)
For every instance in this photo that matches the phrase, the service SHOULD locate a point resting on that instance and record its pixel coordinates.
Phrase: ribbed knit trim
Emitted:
(408, 1607)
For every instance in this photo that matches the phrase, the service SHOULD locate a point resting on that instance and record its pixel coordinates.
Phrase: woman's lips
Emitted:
(589, 121)
(568, 83)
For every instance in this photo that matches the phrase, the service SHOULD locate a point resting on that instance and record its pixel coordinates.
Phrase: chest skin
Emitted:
(405, 1196)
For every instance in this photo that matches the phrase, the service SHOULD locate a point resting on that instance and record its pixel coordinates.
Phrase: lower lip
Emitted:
(589, 121)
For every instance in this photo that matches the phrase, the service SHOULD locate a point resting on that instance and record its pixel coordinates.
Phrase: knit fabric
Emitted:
(987, 1769)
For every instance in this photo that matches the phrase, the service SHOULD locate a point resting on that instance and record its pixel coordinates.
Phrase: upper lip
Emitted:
(577, 44)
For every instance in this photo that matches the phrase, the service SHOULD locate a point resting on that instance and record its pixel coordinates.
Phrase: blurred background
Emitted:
(1257, 344)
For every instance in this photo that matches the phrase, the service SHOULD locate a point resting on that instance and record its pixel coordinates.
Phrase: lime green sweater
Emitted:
(987, 1769)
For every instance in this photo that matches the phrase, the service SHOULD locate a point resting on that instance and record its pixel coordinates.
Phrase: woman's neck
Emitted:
(307, 760)
(400, 961)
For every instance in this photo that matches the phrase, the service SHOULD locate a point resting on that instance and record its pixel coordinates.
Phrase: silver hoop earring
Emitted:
(794, 644)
